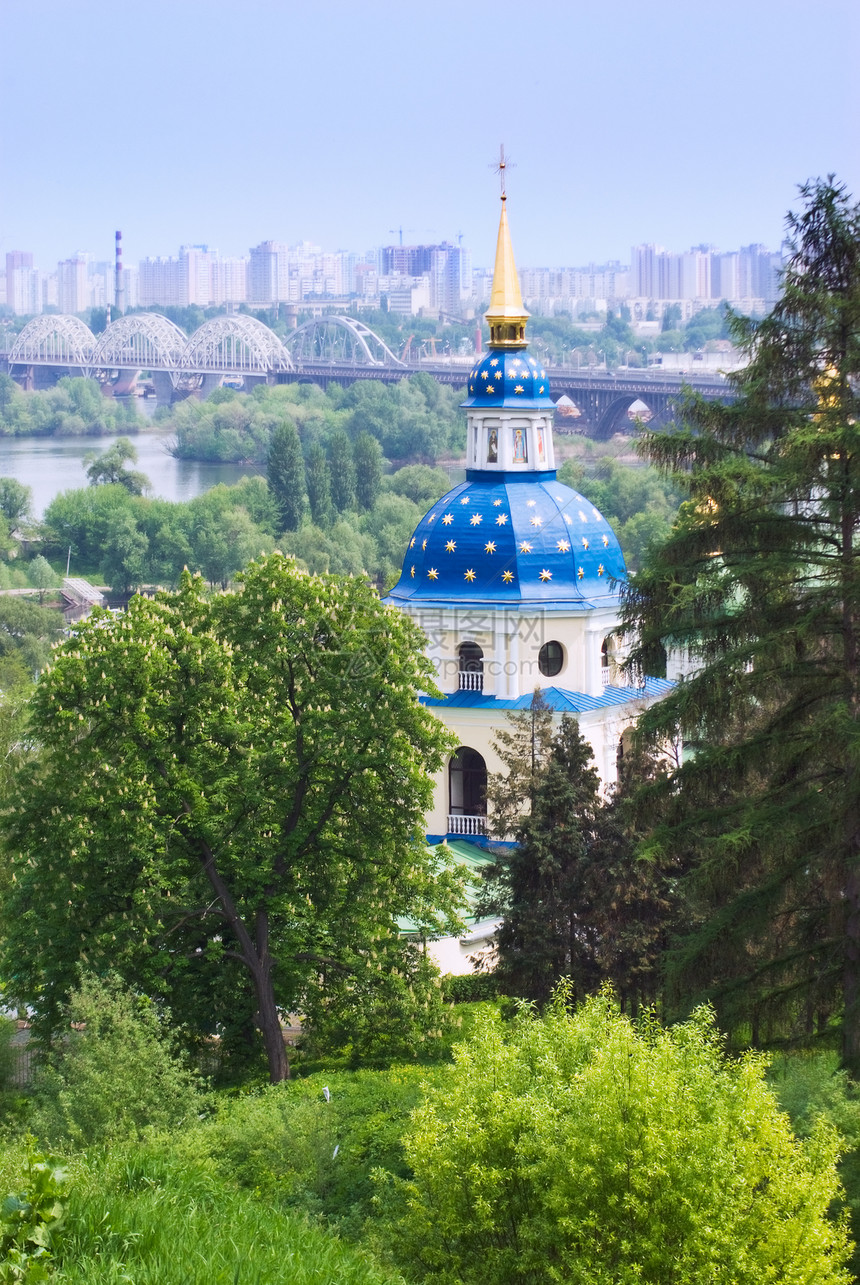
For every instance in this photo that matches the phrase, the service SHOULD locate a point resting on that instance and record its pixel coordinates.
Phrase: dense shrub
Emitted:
(812, 1087)
(586, 1148)
(469, 988)
(116, 1075)
(313, 1143)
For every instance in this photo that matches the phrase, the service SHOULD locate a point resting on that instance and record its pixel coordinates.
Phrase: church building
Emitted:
(515, 579)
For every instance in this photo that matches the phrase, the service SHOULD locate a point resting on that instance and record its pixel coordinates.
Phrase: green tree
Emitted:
(419, 483)
(16, 500)
(581, 1147)
(285, 473)
(318, 482)
(27, 631)
(16, 688)
(110, 467)
(230, 794)
(42, 576)
(81, 518)
(368, 471)
(523, 746)
(758, 588)
(545, 886)
(634, 903)
(388, 1007)
(342, 469)
(223, 541)
(126, 546)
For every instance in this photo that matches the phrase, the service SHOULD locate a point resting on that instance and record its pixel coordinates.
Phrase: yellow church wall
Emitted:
(476, 729)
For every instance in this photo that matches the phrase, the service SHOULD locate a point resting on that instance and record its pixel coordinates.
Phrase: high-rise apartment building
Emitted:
(450, 279)
(162, 281)
(23, 284)
(73, 294)
(268, 273)
(196, 272)
(644, 271)
(229, 281)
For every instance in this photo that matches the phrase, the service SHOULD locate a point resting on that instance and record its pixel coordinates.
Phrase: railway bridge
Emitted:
(331, 349)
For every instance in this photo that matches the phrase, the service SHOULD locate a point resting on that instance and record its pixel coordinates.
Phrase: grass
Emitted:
(141, 1217)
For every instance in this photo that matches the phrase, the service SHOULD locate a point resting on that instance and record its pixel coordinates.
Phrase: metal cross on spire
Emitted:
(500, 167)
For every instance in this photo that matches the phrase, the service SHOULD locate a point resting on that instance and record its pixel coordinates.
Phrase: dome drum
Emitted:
(510, 443)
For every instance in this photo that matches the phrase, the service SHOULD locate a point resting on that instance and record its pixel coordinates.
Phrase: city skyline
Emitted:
(430, 280)
(206, 123)
(622, 260)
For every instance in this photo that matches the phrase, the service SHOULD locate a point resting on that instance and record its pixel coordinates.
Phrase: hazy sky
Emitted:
(203, 121)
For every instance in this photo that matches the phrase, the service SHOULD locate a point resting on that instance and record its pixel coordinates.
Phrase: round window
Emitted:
(551, 659)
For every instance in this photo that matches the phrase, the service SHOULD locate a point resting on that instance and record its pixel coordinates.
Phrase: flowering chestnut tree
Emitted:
(228, 802)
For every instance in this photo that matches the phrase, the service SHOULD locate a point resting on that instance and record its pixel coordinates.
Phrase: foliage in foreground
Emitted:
(812, 1087)
(115, 1074)
(141, 1215)
(32, 1220)
(586, 1148)
(313, 1143)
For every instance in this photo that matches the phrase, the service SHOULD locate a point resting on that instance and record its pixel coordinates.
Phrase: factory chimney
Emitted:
(118, 290)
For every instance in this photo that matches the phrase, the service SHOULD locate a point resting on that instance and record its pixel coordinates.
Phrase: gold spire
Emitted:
(506, 314)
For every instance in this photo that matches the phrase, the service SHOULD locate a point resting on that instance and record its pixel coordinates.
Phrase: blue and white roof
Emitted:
(509, 379)
(509, 539)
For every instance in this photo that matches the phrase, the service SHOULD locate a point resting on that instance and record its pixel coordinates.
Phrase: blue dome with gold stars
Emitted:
(507, 378)
(511, 539)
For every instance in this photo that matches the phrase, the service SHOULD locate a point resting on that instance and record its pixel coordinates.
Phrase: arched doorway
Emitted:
(471, 667)
(467, 792)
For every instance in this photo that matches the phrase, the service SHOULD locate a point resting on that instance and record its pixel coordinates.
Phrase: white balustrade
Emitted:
(471, 681)
(467, 825)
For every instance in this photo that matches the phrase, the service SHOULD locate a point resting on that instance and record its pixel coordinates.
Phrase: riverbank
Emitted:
(50, 465)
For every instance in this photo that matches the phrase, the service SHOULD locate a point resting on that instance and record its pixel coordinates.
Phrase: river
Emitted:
(49, 465)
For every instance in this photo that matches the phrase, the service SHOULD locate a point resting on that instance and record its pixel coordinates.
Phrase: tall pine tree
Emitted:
(759, 585)
(285, 474)
(542, 885)
(342, 466)
(318, 482)
(368, 471)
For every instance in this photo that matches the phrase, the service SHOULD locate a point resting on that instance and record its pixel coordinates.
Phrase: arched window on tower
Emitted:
(467, 792)
(471, 667)
(605, 661)
(624, 751)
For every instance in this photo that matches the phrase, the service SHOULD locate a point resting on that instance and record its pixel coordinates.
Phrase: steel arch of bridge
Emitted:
(60, 341)
(339, 341)
(140, 341)
(234, 344)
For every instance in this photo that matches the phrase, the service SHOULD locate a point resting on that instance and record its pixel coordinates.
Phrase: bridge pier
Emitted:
(163, 387)
(122, 386)
(46, 377)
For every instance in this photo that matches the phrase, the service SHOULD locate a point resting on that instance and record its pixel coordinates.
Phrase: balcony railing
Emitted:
(605, 676)
(467, 825)
(471, 681)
